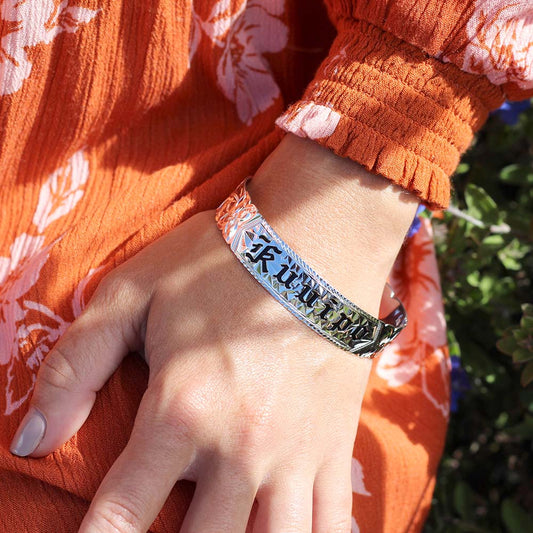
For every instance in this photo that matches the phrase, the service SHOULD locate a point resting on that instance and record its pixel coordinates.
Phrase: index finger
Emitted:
(139, 482)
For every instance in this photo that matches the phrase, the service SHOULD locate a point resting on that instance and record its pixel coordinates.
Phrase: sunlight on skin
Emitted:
(242, 398)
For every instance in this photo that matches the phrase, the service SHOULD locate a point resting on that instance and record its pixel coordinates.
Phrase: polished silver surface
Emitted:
(298, 287)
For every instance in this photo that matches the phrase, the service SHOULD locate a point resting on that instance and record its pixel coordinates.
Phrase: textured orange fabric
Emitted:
(399, 91)
(119, 120)
(403, 114)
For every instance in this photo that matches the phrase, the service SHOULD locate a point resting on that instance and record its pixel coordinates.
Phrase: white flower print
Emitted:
(500, 34)
(33, 339)
(29, 23)
(244, 35)
(310, 120)
(358, 484)
(61, 191)
(221, 19)
(243, 73)
(421, 347)
(78, 298)
(28, 329)
(399, 363)
(18, 273)
(423, 298)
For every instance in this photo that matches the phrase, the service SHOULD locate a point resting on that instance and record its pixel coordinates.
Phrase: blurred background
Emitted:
(484, 247)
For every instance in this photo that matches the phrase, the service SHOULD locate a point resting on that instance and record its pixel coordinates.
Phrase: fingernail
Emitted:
(29, 434)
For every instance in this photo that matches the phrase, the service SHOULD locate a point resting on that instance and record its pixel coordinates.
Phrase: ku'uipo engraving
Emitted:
(294, 284)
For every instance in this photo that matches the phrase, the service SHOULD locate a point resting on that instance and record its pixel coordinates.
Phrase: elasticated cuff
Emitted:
(393, 109)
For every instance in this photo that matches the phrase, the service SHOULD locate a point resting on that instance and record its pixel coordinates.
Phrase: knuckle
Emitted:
(117, 515)
(113, 289)
(184, 413)
(251, 443)
(178, 406)
(57, 371)
(247, 464)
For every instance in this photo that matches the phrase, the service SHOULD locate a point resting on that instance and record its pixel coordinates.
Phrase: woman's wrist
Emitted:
(344, 221)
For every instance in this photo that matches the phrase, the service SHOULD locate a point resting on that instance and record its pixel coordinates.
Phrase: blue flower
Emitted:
(459, 382)
(510, 112)
(415, 225)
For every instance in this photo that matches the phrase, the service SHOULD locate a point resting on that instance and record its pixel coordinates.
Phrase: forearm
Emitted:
(346, 222)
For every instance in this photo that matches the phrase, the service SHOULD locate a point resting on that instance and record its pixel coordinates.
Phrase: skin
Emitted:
(242, 398)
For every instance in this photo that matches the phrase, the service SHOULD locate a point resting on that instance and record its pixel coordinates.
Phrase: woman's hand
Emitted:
(242, 398)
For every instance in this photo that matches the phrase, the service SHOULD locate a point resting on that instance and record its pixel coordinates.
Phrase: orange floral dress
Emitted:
(121, 119)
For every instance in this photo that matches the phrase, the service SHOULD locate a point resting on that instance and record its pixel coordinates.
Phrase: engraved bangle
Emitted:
(298, 287)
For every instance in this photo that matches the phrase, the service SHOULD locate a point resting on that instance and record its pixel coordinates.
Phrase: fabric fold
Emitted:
(394, 109)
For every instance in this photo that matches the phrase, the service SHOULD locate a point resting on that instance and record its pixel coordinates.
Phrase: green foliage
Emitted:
(485, 253)
(517, 341)
(516, 520)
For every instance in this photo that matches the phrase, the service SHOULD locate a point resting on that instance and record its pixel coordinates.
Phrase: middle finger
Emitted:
(222, 500)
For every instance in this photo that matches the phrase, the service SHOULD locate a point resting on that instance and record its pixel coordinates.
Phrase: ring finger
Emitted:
(333, 496)
(286, 503)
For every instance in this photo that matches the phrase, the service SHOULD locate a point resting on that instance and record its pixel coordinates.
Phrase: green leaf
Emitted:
(493, 242)
(510, 263)
(527, 375)
(526, 322)
(527, 309)
(517, 175)
(502, 420)
(462, 168)
(507, 345)
(519, 334)
(481, 205)
(473, 278)
(511, 254)
(453, 346)
(524, 430)
(521, 355)
(486, 286)
(516, 519)
(463, 500)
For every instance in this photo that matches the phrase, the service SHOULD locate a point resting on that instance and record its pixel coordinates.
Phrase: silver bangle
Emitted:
(298, 287)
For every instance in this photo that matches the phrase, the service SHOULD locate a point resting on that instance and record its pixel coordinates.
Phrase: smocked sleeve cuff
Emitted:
(393, 109)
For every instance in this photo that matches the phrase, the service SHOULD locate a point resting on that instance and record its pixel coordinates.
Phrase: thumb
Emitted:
(78, 366)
